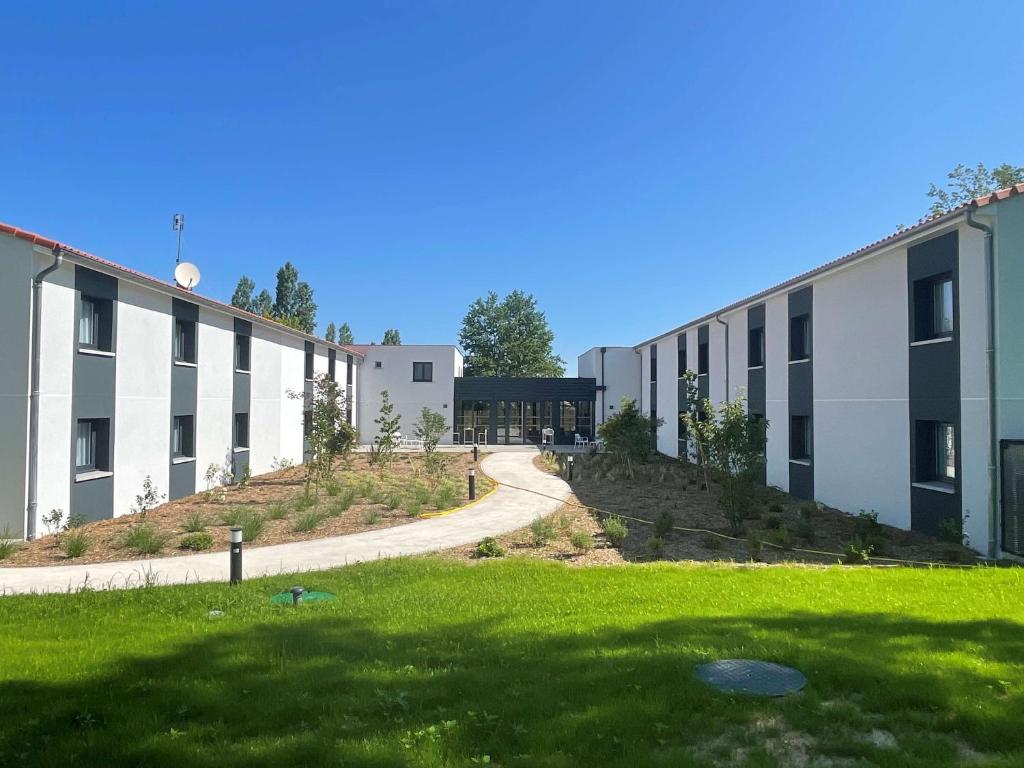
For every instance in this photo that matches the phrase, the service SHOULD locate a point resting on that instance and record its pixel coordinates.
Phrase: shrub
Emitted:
(489, 547)
(549, 462)
(445, 497)
(808, 511)
(306, 501)
(365, 486)
(8, 544)
(866, 523)
(615, 529)
(780, 536)
(197, 542)
(420, 493)
(277, 512)
(149, 498)
(233, 516)
(542, 531)
(413, 508)
(711, 542)
(804, 530)
(775, 509)
(950, 530)
(306, 521)
(755, 546)
(53, 520)
(253, 524)
(857, 552)
(73, 543)
(332, 487)
(371, 516)
(582, 541)
(655, 547)
(343, 502)
(194, 523)
(144, 539)
(393, 500)
(663, 525)
(564, 521)
(75, 520)
(773, 522)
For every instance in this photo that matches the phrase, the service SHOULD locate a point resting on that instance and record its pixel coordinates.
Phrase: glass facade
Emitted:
(522, 421)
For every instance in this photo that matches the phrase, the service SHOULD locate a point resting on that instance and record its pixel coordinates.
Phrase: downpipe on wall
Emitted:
(990, 358)
(33, 407)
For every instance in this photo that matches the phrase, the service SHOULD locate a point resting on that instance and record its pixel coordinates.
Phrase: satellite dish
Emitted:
(186, 275)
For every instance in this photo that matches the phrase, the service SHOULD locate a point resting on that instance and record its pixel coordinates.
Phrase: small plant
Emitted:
(663, 525)
(857, 552)
(277, 511)
(543, 531)
(343, 502)
(615, 529)
(780, 537)
(371, 516)
(75, 520)
(8, 544)
(149, 498)
(413, 508)
(197, 541)
(445, 497)
(711, 542)
(233, 516)
(246, 478)
(194, 523)
(489, 547)
(53, 519)
(804, 530)
(73, 544)
(305, 501)
(773, 522)
(549, 462)
(252, 524)
(582, 541)
(393, 499)
(281, 463)
(144, 539)
(655, 547)
(866, 523)
(951, 531)
(306, 521)
(212, 473)
(755, 547)
(332, 487)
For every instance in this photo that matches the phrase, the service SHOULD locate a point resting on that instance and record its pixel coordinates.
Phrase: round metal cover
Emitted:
(756, 678)
(307, 597)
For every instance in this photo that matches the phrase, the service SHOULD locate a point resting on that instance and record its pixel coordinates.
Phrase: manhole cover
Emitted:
(757, 678)
(307, 597)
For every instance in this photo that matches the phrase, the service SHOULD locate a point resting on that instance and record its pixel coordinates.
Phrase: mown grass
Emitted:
(425, 662)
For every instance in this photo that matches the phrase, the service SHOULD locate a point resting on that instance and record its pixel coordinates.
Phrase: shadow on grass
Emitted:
(322, 690)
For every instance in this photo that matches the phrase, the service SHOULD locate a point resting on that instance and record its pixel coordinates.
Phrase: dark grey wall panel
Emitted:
(934, 383)
(241, 396)
(184, 396)
(756, 392)
(307, 388)
(801, 392)
(93, 385)
(703, 379)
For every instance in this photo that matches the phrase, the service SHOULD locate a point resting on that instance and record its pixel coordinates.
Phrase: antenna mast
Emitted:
(178, 225)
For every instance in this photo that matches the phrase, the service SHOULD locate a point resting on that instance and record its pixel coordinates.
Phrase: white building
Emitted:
(875, 376)
(135, 377)
(616, 371)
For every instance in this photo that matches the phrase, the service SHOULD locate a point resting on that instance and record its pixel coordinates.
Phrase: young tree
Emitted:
(388, 425)
(966, 183)
(242, 297)
(345, 335)
(627, 434)
(391, 338)
(510, 337)
(331, 333)
(330, 434)
(430, 428)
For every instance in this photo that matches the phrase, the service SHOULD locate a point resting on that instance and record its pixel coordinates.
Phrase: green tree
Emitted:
(286, 295)
(430, 428)
(345, 335)
(305, 308)
(242, 297)
(330, 434)
(331, 333)
(627, 435)
(392, 338)
(263, 305)
(510, 337)
(965, 183)
(388, 425)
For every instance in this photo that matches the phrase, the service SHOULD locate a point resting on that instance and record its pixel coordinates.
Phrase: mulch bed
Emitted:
(260, 495)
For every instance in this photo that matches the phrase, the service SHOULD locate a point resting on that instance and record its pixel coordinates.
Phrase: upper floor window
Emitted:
(95, 319)
(309, 364)
(184, 341)
(422, 371)
(755, 347)
(702, 358)
(654, 363)
(681, 362)
(243, 349)
(933, 308)
(800, 338)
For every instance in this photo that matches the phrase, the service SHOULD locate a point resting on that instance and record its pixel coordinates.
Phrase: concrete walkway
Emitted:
(504, 510)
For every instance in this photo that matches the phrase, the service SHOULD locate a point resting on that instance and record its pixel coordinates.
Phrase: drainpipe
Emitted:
(33, 405)
(719, 320)
(603, 386)
(990, 355)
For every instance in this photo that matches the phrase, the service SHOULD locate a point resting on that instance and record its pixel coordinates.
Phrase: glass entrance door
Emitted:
(515, 422)
(531, 422)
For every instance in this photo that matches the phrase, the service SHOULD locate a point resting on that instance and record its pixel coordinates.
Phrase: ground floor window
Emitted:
(936, 452)
(92, 445)
(800, 438)
(183, 437)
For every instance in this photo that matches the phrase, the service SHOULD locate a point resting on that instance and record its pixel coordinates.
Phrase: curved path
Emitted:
(504, 510)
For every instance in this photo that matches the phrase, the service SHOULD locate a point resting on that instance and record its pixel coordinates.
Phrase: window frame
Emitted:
(806, 437)
(929, 295)
(309, 365)
(243, 340)
(238, 428)
(703, 358)
(423, 366)
(99, 445)
(183, 343)
(101, 314)
(804, 353)
(755, 361)
(186, 422)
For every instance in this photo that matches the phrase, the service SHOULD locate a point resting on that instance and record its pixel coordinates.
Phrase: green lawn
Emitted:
(429, 662)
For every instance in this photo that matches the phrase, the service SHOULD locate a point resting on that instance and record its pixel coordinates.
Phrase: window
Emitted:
(332, 362)
(183, 438)
(702, 358)
(936, 451)
(378, 364)
(800, 438)
(681, 362)
(755, 347)
(92, 447)
(422, 371)
(567, 416)
(654, 363)
(184, 341)
(243, 347)
(933, 308)
(309, 364)
(242, 430)
(799, 338)
(95, 323)
(307, 423)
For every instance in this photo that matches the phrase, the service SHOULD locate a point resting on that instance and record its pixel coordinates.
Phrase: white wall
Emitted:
(142, 394)
(668, 400)
(265, 399)
(776, 380)
(293, 379)
(408, 397)
(214, 413)
(621, 377)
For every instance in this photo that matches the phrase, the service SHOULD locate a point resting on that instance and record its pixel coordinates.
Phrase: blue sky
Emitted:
(633, 165)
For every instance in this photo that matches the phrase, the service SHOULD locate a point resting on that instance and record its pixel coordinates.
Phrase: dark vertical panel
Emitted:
(184, 396)
(241, 394)
(307, 388)
(681, 401)
(703, 379)
(934, 381)
(350, 367)
(801, 392)
(757, 404)
(93, 392)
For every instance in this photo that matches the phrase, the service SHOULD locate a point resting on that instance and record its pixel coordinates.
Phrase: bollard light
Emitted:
(236, 555)
(472, 484)
(570, 467)
(297, 593)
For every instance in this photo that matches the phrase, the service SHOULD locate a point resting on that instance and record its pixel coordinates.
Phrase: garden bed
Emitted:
(271, 508)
